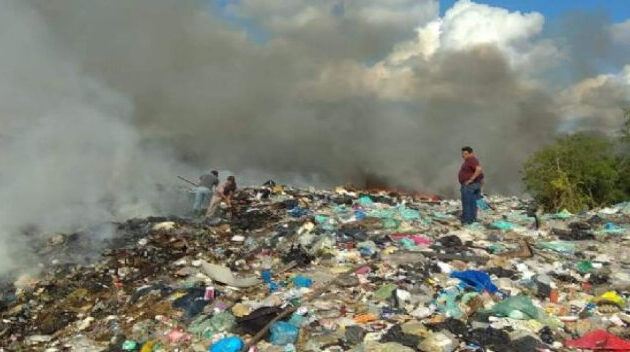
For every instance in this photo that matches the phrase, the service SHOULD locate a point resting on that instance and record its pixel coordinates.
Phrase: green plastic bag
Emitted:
(204, 327)
(385, 291)
(382, 213)
(409, 214)
(325, 222)
(585, 267)
(390, 224)
(517, 307)
(503, 225)
(321, 218)
(366, 201)
(446, 302)
(564, 214)
(409, 244)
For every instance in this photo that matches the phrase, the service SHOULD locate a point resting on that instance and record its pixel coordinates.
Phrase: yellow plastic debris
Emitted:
(149, 346)
(611, 297)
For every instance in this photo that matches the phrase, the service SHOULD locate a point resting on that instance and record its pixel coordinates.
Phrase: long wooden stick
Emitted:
(254, 341)
(187, 181)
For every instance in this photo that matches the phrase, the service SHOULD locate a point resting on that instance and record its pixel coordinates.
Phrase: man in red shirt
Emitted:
(470, 178)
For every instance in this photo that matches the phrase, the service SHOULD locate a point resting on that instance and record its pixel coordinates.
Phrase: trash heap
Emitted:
(339, 270)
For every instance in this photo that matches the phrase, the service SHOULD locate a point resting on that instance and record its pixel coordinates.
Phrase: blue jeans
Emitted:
(470, 194)
(202, 196)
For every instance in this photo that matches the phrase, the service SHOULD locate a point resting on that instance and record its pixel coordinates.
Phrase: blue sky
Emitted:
(617, 10)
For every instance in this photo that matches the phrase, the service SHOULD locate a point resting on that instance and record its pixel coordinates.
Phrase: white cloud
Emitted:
(468, 24)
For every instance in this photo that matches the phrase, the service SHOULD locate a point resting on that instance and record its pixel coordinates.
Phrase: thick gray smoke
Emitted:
(296, 103)
(101, 100)
(70, 154)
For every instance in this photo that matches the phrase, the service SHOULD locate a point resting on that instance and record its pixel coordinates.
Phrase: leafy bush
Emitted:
(576, 173)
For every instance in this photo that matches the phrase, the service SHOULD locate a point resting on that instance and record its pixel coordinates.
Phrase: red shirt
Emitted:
(468, 170)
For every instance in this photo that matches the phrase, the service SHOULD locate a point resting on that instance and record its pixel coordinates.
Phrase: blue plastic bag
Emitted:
(481, 204)
(610, 227)
(297, 319)
(302, 281)
(283, 333)
(266, 277)
(228, 344)
(298, 212)
(478, 279)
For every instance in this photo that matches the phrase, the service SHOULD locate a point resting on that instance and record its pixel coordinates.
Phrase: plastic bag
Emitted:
(481, 204)
(611, 297)
(298, 320)
(298, 212)
(367, 248)
(421, 241)
(385, 291)
(600, 340)
(130, 345)
(478, 279)
(503, 225)
(409, 244)
(585, 267)
(558, 246)
(302, 281)
(325, 222)
(267, 278)
(203, 326)
(611, 228)
(223, 321)
(564, 214)
(390, 224)
(283, 333)
(517, 307)
(446, 302)
(228, 344)
(366, 201)
(192, 302)
(409, 214)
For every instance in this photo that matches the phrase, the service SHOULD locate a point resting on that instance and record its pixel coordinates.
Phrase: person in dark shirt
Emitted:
(207, 182)
(470, 179)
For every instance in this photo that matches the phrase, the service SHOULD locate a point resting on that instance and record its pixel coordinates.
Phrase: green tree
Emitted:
(576, 172)
(624, 154)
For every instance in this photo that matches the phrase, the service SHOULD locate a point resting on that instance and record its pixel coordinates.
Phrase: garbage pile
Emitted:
(339, 270)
